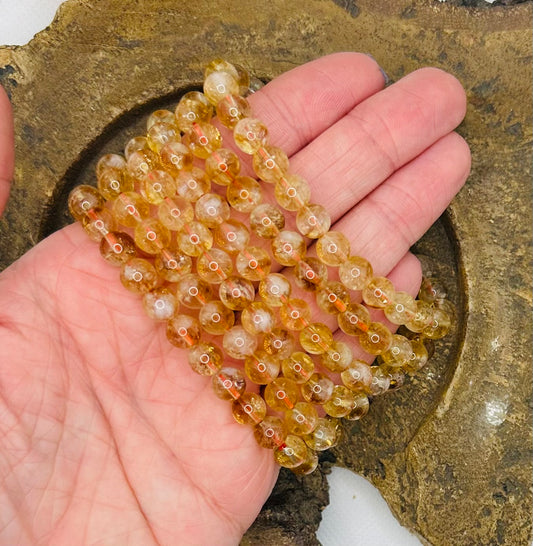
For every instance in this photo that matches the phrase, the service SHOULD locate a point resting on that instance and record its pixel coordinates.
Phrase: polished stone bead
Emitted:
(355, 272)
(274, 289)
(313, 221)
(192, 184)
(239, 343)
(157, 185)
(212, 209)
(316, 338)
(422, 318)
(270, 164)
(231, 109)
(258, 318)
(110, 161)
(214, 266)
(205, 358)
(332, 297)
(136, 144)
(160, 134)
(298, 366)
(218, 84)
(341, 402)
(97, 224)
(138, 275)
(432, 290)
(112, 182)
(419, 356)
(399, 353)
(141, 162)
(236, 293)
(249, 409)
(338, 357)
(160, 304)
(229, 383)
(175, 213)
(232, 236)
(326, 434)
(130, 208)
(301, 419)
(439, 326)
(293, 453)
(310, 274)
(379, 292)
(193, 107)
(376, 340)
(253, 263)
(358, 376)
(295, 314)
(250, 134)
(270, 432)
(216, 318)
(195, 239)
(267, 221)
(333, 248)
(244, 194)
(171, 265)
(193, 292)
(361, 405)
(151, 236)
(380, 381)
(279, 342)
(222, 166)
(160, 116)
(317, 389)
(309, 464)
(261, 367)
(175, 157)
(202, 139)
(282, 394)
(288, 248)
(402, 309)
(183, 331)
(354, 320)
(82, 199)
(117, 247)
(292, 192)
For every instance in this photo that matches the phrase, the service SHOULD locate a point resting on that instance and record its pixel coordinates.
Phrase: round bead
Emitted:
(160, 116)
(175, 213)
(313, 221)
(160, 304)
(317, 389)
(141, 162)
(316, 338)
(379, 292)
(130, 208)
(288, 248)
(338, 357)
(333, 248)
(361, 405)
(221, 65)
(82, 199)
(214, 266)
(270, 432)
(218, 84)
(222, 166)
(358, 376)
(236, 293)
(183, 331)
(248, 409)
(205, 358)
(195, 240)
(202, 139)
(110, 161)
(354, 320)
(192, 184)
(211, 209)
(419, 356)
(432, 290)
(402, 309)
(279, 342)
(239, 343)
(341, 402)
(274, 289)
(138, 275)
(325, 435)
(243, 78)
(295, 314)
(229, 384)
(292, 454)
(258, 318)
(376, 339)
(244, 194)
(250, 134)
(270, 164)
(309, 465)
(97, 224)
(355, 273)
(157, 185)
(310, 274)
(232, 236)
(267, 221)
(193, 292)
(175, 157)
(151, 236)
(301, 419)
(422, 318)
(136, 144)
(298, 366)
(231, 109)
(399, 353)
(113, 182)
(193, 107)
(117, 247)
(439, 326)
(380, 381)
(161, 133)
(171, 265)
(216, 318)
(333, 297)
(261, 367)
(253, 263)
(282, 394)
(292, 192)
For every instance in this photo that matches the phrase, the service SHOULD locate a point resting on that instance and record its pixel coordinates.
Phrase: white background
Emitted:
(357, 514)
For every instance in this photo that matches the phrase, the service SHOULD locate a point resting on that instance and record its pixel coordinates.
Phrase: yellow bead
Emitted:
(422, 318)
(274, 289)
(175, 157)
(160, 134)
(156, 186)
(250, 134)
(222, 166)
(309, 464)
(218, 84)
(138, 275)
(243, 78)
(293, 452)
(231, 109)
(229, 383)
(183, 331)
(193, 107)
(195, 239)
(212, 209)
(117, 247)
(248, 409)
(310, 274)
(221, 65)
(402, 309)
(202, 139)
(279, 343)
(354, 320)
(261, 367)
(292, 192)
(358, 376)
(110, 161)
(313, 221)
(214, 266)
(160, 304)
(380, 381)
(205, 358)
(97, 224)
(82, 199)
(316, 338)
(399, 353)
(193, 292)
(270, 432)
(270, 163)
(253, 263)
(439, 326)
(419, 356)
(282, 394)
(171, 265)
(160, 116)
(355, 273)
(317, 389)
(258, 318)
(432, 290)
(112, 182)
(151, 236)
(232, 236)
(130, 208)
(192, 184)
(301, 419)
(136, 144)
(288, 248)
(295, 314)
(215, 318)
(244, 194)
(298, 366)
(267, 221)
(236, 293)
(332, 297)
(338, 357)
(175, 213)
(361, 406)
(239, 343)
(333, 248)
(341, 403)
(141, 162)
(379, 292)
(376, 339)
(325, 435)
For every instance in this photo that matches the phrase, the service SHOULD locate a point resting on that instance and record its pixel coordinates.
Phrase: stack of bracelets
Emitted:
(200, 268)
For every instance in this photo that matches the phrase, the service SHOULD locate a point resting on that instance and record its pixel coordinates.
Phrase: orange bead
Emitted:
(281, 394)
(249, 409)
(117, 247)
(261, 367)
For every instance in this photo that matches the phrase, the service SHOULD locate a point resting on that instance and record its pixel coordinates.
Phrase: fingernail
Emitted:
(383, 73)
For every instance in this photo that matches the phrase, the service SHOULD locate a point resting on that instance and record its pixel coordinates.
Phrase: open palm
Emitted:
(106, 435)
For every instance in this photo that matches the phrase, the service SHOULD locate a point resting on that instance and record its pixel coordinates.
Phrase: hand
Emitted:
(106, 434)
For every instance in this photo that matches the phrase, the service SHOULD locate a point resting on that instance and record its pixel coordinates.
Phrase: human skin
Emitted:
(106, 434)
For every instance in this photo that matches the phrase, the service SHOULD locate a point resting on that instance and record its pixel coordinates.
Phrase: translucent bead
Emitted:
(218, 84)
(279, 342)
(310, 274)
(117, 247)
(113, 182)
(82, 199)
(171, 265)
(399, 353)
(419, 356)
(402, 309)
(270, 164)
(236, 293)
(298, 366)
(221, 65)
(338, 357)
(422, 318)
(193, 292)
(136, 144)
(274, 289)
(293, 452)
(239, 343)
(379, 292)
(193, 107)
(355, 273)
(261, 367)
(222, 166)
(270, 432)
(192, 184)
(316, 338)
(156, 186)
(141, 162)
(358, 376)
(214, 266)
(160, 116)
(97, 224)
(258, 318)
(130, 208)
(244, 194)
(110, 161)
(317, 389)
(175, 213)
(216, 318)
(232, 236)
(267, 221)
(151, 236)
(202, 139)
(439, 326)
(309, 465)
(195, 239)
(253, 263)
(160, 304)
(332, 297)
(432, 290)
(341, 402)
(380, 382)
(354, 320)
(229, 383)
(333, 248)
(211, 210)
(243, 79)
(248, 409)
(361, 405)
(231, 109)
(160, 134)
(183, 331)
(288, 248)
(295, 314)
(301, 419)
(138, 275)
(376, 339)
(250, 134)
(205, 358)
(325, 435)
(175, 157)
(292, 192)
(313, 221)
(397, 378)
(282, 394)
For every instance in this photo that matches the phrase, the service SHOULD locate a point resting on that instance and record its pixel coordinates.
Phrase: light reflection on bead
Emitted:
(261, 367)
(211, 209)
(183, 331)
(258, 318)
(138, 275)
(216, 318)
(205, 358)
(222, 166)
(229, 383)
(195, 239)
(239, 343)
(249, 409)
(298, 366)
(192, 184)
(333, 248)
(236, 293)
(376, 339)
(282, 394)
(379, 292)
(82, 199)
(160, 304)
(338, 357)
(316, 338)
(325, 435)
(117, 247)
(193, 107)
(244, 194)
(274, 289)
(313, 221)
(355, 272)
(270, 163)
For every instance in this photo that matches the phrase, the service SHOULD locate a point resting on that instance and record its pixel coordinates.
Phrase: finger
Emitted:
(7, 151)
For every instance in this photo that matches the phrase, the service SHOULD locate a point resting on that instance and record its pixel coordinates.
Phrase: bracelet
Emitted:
(203, 263)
